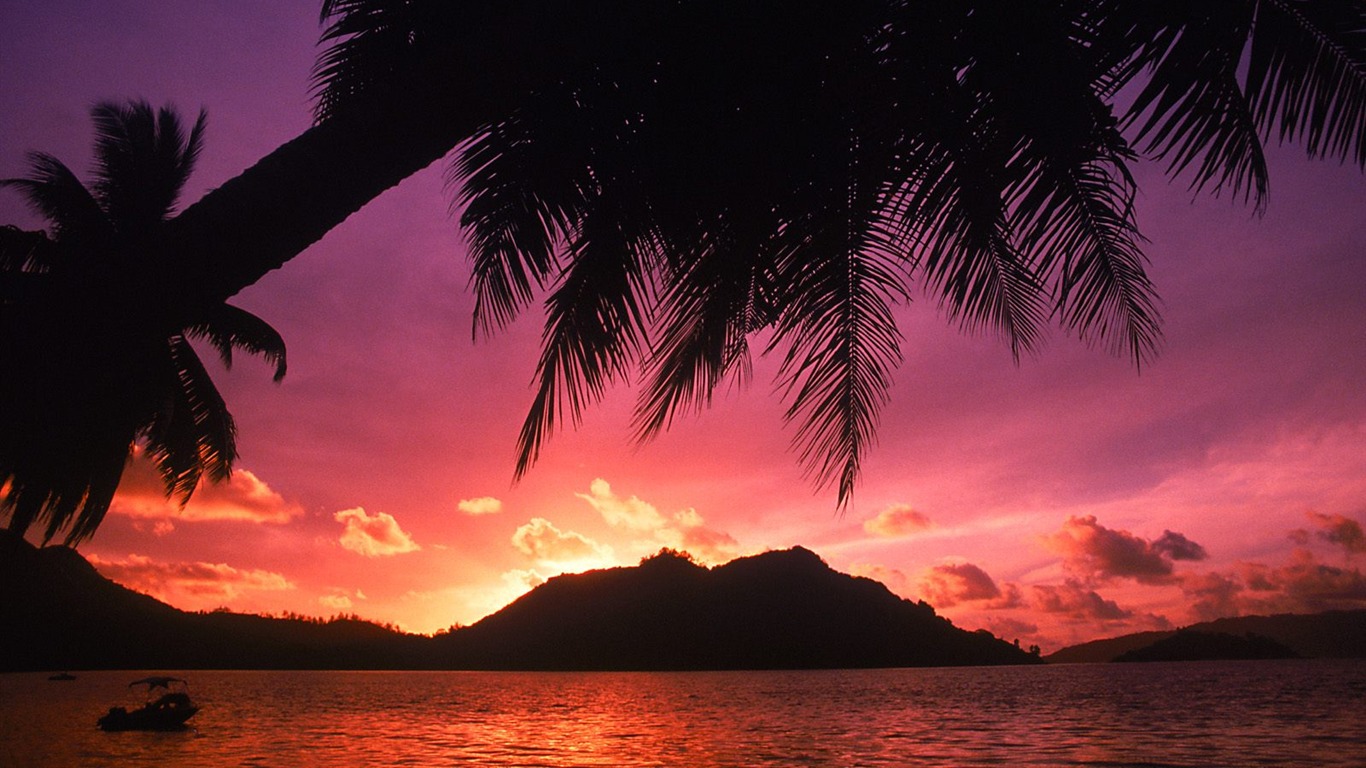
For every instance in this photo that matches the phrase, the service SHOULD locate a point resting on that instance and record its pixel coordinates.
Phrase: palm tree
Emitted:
(127, 381)
(678, 176)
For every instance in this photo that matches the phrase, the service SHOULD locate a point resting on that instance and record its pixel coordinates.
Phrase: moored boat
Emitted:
(165, 712)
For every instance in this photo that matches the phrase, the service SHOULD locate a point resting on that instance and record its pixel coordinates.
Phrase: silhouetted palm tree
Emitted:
(679, 175)
(62, 462)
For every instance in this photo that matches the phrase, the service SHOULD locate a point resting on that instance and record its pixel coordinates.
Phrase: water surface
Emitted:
(1282, 713)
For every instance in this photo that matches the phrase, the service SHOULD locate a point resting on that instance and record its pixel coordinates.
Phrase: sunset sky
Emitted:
(1062, 499)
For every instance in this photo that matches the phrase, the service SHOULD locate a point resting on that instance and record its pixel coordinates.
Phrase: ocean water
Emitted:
(1276, 713)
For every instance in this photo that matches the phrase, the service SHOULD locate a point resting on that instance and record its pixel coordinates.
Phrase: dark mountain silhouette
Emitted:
(1188, 645)
(60, 613)
(783, 609)
(776, 610)
(1331, 635)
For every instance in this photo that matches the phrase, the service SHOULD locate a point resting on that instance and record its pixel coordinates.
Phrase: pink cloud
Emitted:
(377, 535)
(1076, 601)
(1095, 552)
(244, 497)
(947, 585)
(897, 521)
(198, 584)
(541, 540)
(895, 580)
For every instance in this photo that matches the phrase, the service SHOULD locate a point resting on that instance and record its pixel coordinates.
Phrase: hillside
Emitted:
(1330, 635)
(776, 610)
(60, 613)
(783, 609)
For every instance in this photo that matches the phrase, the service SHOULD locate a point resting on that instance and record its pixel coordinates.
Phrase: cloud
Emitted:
(897, 521)
(523, 579)
(1098, 553)
(1302, 585)
(893, 579)
(690, 533)
(243, 497)
(949, 584)
(541, 540)
(1340, 530)
(1076, 601)
(1177, 547)
(375, 535)
(200, 584)
(685, 530)
(1211, 595)
(482, 505)
(340, 599)
(629, 513)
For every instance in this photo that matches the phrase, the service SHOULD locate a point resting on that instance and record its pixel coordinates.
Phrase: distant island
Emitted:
(777, 610)
(1188, 645)
(1331, 634)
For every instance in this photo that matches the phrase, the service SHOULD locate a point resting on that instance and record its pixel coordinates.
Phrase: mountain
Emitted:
(1188, 645)
(777, 610)
(60, 613)
(1331, 635)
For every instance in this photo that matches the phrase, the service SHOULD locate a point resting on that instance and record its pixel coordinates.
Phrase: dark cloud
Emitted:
(1340, 530)
(1095, 552)
(1177, 547)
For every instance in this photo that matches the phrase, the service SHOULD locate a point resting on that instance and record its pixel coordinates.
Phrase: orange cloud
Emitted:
(340, 599)
(482, 505)
(192, 585)
(541, 540)
(243, 497)
(375, 535)
(897, 521)
(1095, 552)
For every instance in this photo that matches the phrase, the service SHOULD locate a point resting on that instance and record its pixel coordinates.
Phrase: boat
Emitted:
(165, 712)
(62, 676)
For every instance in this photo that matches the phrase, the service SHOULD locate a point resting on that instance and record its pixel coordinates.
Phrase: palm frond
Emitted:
(1192, 112)
(522, 182)
(842, 343)
(143, 157)
(54, 192)
(706, 314)
(226, 327)
(594, 324)
(1306, 75)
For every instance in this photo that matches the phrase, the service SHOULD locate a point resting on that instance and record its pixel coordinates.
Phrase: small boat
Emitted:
(62, 676)
(167, 712)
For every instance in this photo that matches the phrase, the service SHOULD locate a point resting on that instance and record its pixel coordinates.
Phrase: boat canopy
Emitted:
(156, 682)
